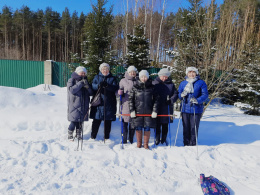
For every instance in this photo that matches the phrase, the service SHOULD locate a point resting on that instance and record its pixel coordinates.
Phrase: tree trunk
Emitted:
(159, 37)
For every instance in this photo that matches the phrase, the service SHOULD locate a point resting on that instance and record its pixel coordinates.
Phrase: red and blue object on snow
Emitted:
(212, 186)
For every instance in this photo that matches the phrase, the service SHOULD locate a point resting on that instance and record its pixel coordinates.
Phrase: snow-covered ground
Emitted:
(36, 158)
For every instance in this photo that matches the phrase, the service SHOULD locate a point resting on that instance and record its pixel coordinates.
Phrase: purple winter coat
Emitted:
(126, 84)
(78, 98)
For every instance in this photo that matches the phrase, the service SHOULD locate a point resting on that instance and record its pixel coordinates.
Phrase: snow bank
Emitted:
(36, 158)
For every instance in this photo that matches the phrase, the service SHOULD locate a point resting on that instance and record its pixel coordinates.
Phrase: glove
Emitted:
(133, 114)
(103, 84)
(120, 92)
(193, 101)
(183, 94)
(85, 83)
(154, 115)
(168, 102)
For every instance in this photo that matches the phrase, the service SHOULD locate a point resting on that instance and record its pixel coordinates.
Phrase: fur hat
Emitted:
(131, 68)
(143, 73)
(192, 69)
(164, 72)
(81, 69)
(104, 65)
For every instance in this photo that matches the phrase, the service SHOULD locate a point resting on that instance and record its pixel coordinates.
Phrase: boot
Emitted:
(131, 135)
(157, 141)
(78, 134)
(70, 135)
(146, 139)
(164, 136)
(139, 138)
(125, 135)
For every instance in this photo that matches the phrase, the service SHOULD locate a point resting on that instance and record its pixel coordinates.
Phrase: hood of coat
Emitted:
(141, 85)
(75, 76)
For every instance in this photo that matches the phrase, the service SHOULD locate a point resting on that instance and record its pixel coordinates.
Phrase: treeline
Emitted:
(197, 35)
(46, 34)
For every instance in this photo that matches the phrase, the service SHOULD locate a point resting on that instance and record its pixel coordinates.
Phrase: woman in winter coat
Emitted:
(168, 96)
(143, 100)
(125, 86)
(193, 92)
(107, 109)
(79, 91)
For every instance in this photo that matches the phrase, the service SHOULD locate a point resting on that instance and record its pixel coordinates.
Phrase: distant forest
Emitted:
(197, 34)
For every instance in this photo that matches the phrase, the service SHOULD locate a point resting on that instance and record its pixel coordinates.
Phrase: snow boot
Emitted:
(164, 136)
(125, 135)
(78, 134)
(146, 139)
(139, 138)
(157, 141)
(131, 135)
(70, 135)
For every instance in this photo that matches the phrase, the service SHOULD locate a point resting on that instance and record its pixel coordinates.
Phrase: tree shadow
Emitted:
(215, 133)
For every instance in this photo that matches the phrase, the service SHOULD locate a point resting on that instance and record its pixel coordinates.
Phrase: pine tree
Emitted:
(98, 40)
(138, 49)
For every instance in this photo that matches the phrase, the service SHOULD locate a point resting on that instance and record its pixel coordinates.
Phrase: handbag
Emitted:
(96, 100)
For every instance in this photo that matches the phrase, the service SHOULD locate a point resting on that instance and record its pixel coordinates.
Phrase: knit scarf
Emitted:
(189, 87)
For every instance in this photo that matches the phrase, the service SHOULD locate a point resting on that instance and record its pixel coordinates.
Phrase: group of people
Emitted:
(145, 105)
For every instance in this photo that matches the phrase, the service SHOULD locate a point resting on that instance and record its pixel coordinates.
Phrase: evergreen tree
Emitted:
(98, 40)
(138, 49)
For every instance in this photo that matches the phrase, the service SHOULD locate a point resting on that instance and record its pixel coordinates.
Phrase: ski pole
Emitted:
(178, 123)
(122, 126)
(82, 127)
(196, 132)
(169, 124)
(154, 137)
(104, 115)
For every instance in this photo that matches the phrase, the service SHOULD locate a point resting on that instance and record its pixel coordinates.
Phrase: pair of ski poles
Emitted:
(194, 125)
(81, 127)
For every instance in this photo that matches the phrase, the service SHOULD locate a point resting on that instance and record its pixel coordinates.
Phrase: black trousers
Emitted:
(131, 131)
(189, 134)
(73, 125)
(161, 127)
(95, 126)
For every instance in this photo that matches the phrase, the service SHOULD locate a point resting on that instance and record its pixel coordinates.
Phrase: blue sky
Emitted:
(85, 5)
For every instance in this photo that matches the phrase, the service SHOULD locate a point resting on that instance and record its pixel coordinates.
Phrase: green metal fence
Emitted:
(61, 72)
(21, 74)
(26, 74)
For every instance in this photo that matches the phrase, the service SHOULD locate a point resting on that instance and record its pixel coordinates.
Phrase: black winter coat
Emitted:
(164, 89)
(97, 112)
(143, 100)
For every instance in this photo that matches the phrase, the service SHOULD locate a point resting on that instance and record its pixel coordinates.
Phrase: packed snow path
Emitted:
(36, 158)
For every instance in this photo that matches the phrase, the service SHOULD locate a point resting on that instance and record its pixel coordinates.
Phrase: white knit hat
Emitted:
(131, 68)
(104, 65)
(192, 69)
(164, 72)
(81, 69)
(143, 73)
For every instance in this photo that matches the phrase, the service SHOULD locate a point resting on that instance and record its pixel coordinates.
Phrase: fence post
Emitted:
(48, 72)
